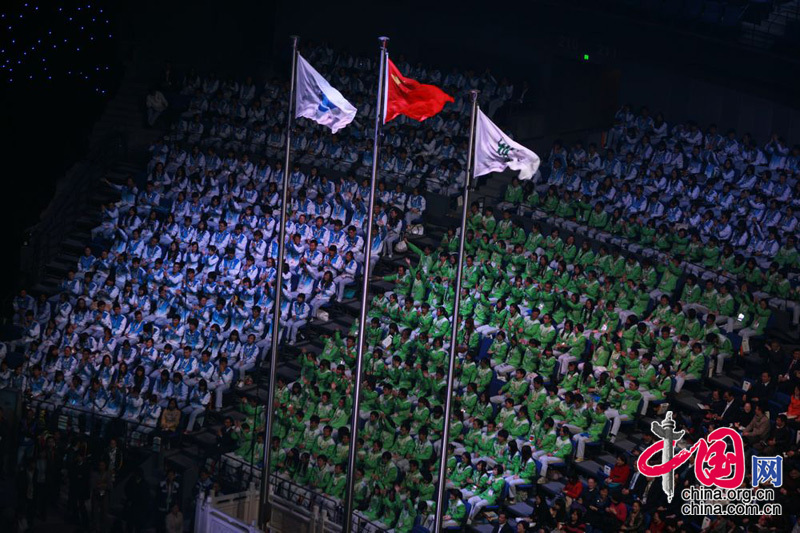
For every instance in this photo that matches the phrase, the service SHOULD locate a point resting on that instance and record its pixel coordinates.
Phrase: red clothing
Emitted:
(573, 490)
(622, 511)
(794, 407)
(620, 474)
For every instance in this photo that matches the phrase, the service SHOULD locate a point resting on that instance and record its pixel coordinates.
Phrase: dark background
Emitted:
(47, 119)
(684, 70)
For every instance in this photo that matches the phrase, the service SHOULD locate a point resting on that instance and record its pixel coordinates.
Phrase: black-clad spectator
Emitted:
(728, 412)
(773, 356)
(778, 440)
(4, 442)
(596, 510)
(26, 490)
(502, 525)
(79, 479)
(225, 440)
(26, 437)
(137, 501)
(762, 390)
(789, 375)
(102, 485)
(114, 459)
(541, 513)
(40, 494)
(745, 415)
(650, 493)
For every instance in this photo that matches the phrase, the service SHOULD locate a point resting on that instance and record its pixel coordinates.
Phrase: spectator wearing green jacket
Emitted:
(627, 409)
(462, 471)
(691, 366)
(562, 450)
(647, 380)
(456, 512)
(490, 495)
(544, 438)
(758, 324)
(526, 474)
(337, 483)
(244, 442)
(597, 423)
(669, 278)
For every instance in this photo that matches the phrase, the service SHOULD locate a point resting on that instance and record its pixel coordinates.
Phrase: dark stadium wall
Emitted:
(514, 41)
(681, 98)
(46, 122)
(223, 37)
(544, 42)
(684, 73)
(539, 42)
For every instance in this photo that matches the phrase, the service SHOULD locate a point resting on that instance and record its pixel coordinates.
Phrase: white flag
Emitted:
(495, 151)
(315, 99)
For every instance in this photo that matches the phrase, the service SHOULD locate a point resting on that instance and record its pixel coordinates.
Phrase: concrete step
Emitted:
(606, 459)
(88, 222)
(180, 460)
(623, 445)
(645, 422)
(688, 401)
(757, 40)
(553, 488)
(80, 236)
(724, 382)
(65, 260)
(45, 287)
(588, 468)
(73, 245)
(127, 167)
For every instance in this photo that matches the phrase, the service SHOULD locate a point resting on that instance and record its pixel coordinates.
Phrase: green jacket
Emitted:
(563, 448)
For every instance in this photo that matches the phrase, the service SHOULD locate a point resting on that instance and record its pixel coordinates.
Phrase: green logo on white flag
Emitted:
(503, 150)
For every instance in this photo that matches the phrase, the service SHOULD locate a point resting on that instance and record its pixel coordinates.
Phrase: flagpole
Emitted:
(362, 326)
(448, 402)
(264, 508)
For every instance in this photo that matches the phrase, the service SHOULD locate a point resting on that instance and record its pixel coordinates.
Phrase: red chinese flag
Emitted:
(411, 98)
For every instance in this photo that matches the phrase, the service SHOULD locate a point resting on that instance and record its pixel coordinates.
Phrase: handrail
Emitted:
(205, 511)
(75, 411)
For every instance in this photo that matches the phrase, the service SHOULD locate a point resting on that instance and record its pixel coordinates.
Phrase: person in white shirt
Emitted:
(222, 381)
(156, 104)
(347, 276)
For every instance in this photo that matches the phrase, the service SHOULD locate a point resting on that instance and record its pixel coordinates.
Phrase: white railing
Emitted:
(209, 519)
(238, 513)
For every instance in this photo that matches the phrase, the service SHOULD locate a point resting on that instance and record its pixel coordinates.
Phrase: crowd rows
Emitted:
(724, 204)
(561, 342)
(171, 304)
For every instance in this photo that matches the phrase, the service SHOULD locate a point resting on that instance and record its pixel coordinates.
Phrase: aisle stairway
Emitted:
(773, 28)
(122, 122)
